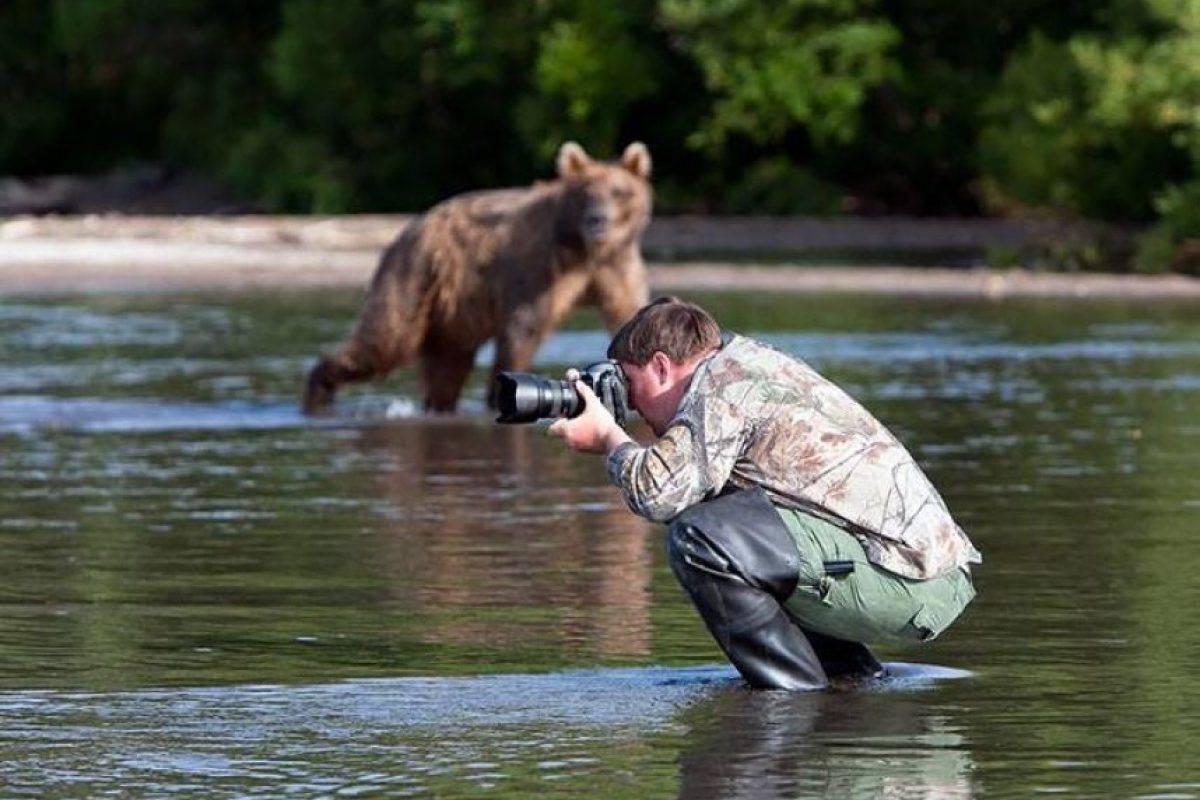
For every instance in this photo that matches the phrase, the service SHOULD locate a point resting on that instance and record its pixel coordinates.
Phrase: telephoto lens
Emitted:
(521, 397)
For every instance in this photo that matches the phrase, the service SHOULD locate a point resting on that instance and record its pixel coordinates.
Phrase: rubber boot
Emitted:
(736, 560)
(844, 662)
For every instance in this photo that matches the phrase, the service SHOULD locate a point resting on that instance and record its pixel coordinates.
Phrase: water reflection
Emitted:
(481, 520)
(766, 745)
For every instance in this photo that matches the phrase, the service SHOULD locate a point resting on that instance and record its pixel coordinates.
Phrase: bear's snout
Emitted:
(595, 223)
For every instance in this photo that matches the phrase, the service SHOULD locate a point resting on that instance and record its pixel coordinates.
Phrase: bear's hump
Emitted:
(487, 208)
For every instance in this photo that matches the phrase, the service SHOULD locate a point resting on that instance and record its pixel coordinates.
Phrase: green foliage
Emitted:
(32, 78)
(1098, 253)
(755, 106)
(1086, 126)
(286, 170)
(778, 186)
(1174, 243)
(773, 66)
(1155, 251)
(592, 66)
(1105, 125)
(387, 104)
(160, 80)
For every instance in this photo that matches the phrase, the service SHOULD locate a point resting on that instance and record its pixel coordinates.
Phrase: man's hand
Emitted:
(593, 431)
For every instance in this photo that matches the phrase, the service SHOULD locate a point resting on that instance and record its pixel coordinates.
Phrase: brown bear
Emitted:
(506, 264)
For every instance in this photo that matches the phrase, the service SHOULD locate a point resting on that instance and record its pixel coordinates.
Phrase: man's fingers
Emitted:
(557, 428)
(585, 391)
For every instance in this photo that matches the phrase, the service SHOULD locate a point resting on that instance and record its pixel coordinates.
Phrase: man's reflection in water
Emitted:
(501, 539)
(762, 745)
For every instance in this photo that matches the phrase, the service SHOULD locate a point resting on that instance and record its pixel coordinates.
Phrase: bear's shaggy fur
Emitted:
(507, 265)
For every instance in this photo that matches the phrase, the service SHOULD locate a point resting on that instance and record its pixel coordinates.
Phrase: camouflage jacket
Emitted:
(753, 416)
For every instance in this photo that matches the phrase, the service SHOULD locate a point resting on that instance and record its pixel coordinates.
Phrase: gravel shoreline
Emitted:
(40, 256)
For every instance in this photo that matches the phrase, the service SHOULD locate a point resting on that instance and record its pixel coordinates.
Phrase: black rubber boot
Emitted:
(844, 662)
(736, 559)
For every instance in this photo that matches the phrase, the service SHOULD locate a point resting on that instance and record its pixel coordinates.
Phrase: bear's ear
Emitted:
(636, 159)
(572, 160)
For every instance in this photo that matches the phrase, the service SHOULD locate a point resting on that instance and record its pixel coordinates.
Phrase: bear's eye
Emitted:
(621, 194)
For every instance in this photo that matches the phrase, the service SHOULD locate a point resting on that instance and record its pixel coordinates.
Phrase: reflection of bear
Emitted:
(506, 264)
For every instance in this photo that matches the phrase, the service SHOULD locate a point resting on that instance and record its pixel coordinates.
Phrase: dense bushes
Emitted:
(773, 106)
(1105, 124)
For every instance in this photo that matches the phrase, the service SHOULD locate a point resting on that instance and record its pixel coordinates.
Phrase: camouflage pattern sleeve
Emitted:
(684, 466)
(660, 481)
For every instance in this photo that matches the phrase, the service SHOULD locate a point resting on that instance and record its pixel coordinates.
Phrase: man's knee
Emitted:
(739, 535)
(678, 534)
(688, 549)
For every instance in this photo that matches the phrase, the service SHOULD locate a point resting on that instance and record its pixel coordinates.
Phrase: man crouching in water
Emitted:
(798, 524)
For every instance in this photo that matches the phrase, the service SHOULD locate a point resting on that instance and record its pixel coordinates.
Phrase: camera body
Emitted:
(522, 397)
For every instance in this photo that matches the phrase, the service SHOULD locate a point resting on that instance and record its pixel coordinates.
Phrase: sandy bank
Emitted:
(127, 254)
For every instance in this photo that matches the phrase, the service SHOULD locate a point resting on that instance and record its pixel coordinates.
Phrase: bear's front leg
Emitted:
(348, 365)
(445, 368)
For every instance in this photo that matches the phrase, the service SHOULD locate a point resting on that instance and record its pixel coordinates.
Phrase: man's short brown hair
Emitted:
(681, 330)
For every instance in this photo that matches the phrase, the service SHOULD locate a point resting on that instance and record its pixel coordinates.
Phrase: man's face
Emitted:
(650, 392)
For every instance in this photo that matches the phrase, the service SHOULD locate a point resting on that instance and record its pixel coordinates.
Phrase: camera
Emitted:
(521, 397)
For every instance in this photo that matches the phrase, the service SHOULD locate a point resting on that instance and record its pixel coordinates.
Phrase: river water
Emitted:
(204, 594)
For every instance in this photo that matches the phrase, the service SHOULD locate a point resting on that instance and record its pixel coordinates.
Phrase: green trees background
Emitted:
(772, 106)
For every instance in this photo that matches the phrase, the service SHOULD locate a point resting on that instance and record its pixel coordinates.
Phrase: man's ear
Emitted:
(661, 365)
